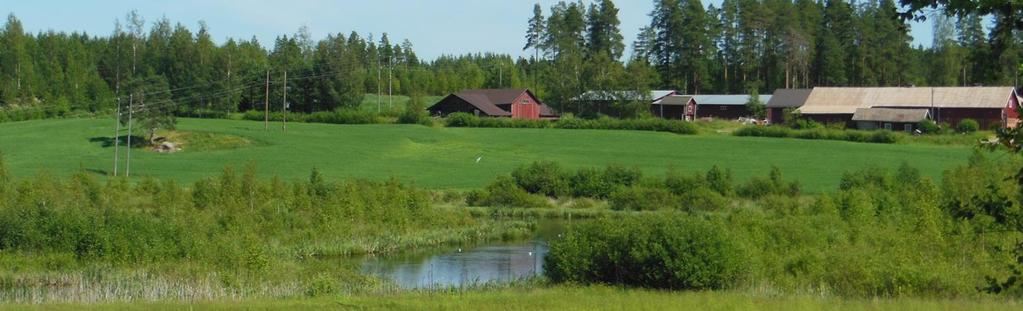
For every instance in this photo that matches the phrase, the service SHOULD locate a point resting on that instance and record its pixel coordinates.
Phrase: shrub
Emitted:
(590, 183)
(638, 198)
(656, 251)
(504, 192)
(928, 126)
(703, 199)
(967, 126)
(461, 119)
(542, 177)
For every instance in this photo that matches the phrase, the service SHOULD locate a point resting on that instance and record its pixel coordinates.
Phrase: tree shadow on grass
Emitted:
(107, 142)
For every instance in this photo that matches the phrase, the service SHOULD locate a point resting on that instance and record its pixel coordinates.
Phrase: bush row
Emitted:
(604, 123)
(225, 221)
(879, 136)
(882, 233)
(334, 117)
(625, 188)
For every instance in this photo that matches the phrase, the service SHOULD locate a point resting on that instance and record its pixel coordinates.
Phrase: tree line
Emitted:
(742, 46)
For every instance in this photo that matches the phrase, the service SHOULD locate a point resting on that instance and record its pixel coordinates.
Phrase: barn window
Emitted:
(908, 127)
(888, 126)
(723, 108)
(525, 101)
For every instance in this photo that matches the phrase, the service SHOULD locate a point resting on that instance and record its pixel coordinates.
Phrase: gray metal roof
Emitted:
(727, 100)
(675, 100)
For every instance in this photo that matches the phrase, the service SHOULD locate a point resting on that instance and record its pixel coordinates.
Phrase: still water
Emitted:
(497, 262)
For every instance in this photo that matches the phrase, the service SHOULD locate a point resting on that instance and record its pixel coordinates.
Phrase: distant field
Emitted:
(443, 158)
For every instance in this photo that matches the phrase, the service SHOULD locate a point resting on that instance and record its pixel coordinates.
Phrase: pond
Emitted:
(497, 262)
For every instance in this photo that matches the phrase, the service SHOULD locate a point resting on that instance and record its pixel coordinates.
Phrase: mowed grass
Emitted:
(446, 158)
(565, 298)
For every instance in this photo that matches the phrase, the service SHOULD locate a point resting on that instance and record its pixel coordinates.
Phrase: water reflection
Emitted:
(457, 267)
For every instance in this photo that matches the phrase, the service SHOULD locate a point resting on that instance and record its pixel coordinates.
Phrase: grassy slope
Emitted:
(445, 157)
(571, 298)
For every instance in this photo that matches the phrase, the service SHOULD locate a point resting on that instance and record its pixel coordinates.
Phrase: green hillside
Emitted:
(444, 158)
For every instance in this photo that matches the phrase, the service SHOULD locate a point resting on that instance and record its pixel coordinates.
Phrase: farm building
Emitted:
(605, 102)
(677, 107)
(990, 106)
(513, 103)
(891, 119)
(785, 99)
(722, 106)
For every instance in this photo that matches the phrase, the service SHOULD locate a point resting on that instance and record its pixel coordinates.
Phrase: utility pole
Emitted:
(389, 100)
(500, 76)
(131, 102)
(285, 103)
(266, 104)
(379, 93)
(117, 132)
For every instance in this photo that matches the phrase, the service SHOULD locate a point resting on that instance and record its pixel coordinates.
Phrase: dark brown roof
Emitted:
(785, 98)
(487, 100)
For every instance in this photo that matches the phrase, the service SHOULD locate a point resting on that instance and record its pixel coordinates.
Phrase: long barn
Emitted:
(989, 106)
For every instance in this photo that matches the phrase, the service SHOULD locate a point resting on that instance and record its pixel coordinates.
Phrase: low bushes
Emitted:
(334, 117)
(658, 251)
(879, 136)
(967, 126)
(626, 189)
(604, 123)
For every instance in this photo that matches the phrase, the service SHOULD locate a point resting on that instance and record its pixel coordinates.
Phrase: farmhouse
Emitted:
(990, 106)
(513, 103)
(785, 99)
(723, 106)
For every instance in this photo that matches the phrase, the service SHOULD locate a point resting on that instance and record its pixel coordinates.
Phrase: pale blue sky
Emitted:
(435, 27)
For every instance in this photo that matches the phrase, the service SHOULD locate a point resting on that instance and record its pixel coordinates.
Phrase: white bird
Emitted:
(530, 253)
(478, 159)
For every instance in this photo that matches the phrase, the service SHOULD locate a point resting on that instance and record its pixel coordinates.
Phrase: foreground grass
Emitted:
(445, 158)
(563, 298)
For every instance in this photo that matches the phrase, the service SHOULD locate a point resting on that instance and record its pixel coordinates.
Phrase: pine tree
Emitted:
(534, 35)
(602, 30)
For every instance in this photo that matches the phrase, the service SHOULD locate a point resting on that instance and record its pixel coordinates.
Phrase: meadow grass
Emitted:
(446, 158)
(561, 298)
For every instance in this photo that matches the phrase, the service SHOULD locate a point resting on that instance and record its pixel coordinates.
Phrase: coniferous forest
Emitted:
(742, 46)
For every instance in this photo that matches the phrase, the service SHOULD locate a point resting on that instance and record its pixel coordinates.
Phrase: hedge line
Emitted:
(604, 123)
(879, 136)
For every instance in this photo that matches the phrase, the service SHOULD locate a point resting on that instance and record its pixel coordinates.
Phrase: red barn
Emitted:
(513, 103)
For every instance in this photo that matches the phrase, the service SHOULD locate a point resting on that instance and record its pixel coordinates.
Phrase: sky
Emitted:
(435, 27)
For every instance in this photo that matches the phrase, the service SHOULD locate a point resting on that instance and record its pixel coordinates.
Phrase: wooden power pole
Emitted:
(285, 103)
(127, 167)
(117, 133)
(266, 104)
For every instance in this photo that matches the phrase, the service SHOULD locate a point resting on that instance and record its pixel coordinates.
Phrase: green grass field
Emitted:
(445, 158)
(563, 298)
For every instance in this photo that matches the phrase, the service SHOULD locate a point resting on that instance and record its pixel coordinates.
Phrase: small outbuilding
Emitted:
(676, 107)
(782, 100)
(604, 101)
(511, 103)
(891, 119)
